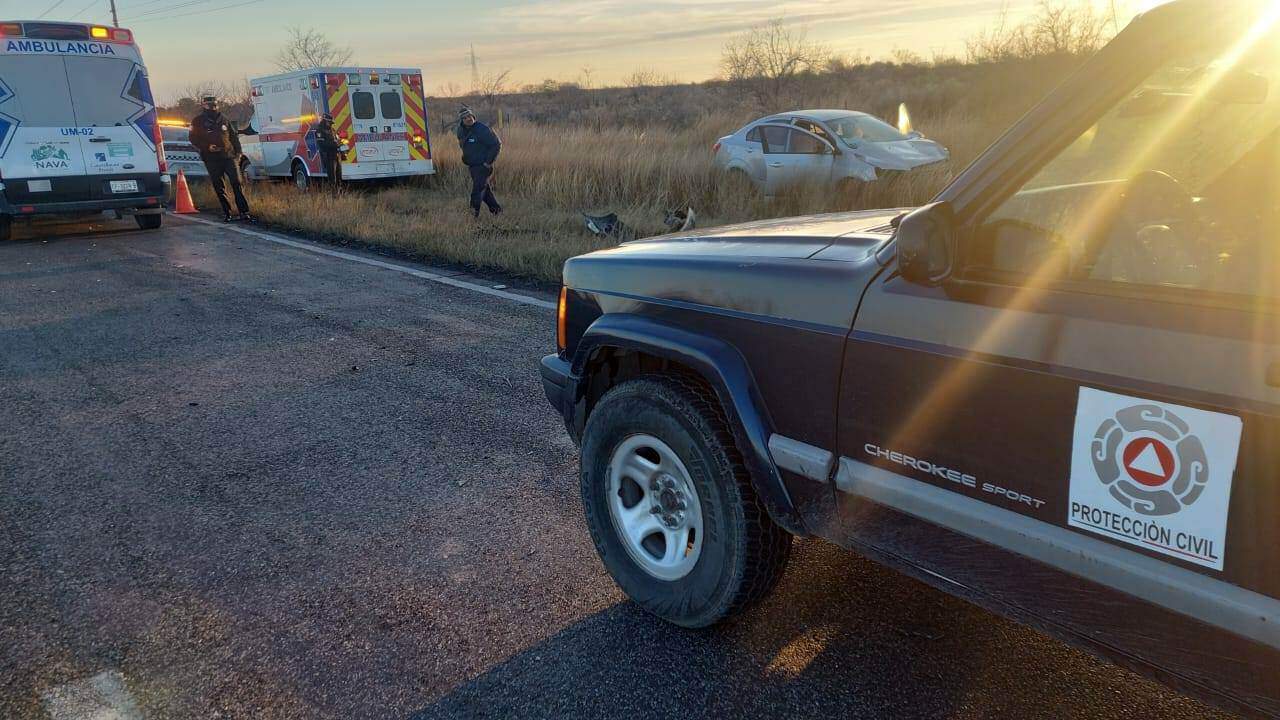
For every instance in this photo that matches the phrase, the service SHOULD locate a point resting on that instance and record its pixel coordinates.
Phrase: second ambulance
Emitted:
(379, 115)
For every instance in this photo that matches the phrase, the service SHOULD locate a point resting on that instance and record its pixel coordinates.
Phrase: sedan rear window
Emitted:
(775, 138)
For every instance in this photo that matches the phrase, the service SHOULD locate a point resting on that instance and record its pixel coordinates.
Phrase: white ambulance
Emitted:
(78, 126)
(378, 114)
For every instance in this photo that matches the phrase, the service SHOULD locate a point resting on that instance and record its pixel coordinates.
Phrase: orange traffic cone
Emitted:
(182, 196)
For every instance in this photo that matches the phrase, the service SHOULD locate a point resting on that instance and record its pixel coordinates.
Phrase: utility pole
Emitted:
(115, 19)
(475, 68)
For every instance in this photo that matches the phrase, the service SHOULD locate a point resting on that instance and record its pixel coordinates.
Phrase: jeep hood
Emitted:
(795, 237)
(788, 269)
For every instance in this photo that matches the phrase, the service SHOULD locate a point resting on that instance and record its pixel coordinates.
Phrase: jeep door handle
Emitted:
(775, 164)
(99, 139)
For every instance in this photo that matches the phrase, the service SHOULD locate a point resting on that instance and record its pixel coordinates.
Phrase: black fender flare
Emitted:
(722, 367)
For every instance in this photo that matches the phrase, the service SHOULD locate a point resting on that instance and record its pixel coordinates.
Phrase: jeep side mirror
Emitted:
(925, 244)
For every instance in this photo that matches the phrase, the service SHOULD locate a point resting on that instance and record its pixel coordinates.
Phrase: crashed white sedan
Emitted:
(824, 146)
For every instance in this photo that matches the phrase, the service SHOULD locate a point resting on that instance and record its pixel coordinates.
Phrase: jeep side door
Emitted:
(1088, 406)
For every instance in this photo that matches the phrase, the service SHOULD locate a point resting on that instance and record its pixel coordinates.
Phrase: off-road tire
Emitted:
(149, 222)
(743, 553)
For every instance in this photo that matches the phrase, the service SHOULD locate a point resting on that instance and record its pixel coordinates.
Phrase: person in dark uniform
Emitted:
(327, 141)
(219, 144)
(480, 148)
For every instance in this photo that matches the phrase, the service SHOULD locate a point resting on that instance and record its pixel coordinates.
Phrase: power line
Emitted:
(51, 9)
(198, 12)
(86, 9)
(144, 3)
(179, 6)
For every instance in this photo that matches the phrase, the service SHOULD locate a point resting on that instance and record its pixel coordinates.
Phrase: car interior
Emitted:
(1175, 186)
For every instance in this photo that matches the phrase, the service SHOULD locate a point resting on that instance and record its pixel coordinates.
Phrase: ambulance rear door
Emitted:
(365, 119)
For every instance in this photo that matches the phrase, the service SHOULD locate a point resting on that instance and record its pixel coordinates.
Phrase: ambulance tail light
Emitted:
(715, 148)
(159, 141)
(10, 29)
(116, 35)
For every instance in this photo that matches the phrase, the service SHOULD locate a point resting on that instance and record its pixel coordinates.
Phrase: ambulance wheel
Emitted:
(149, 222)
(6, 228)
(300, 178)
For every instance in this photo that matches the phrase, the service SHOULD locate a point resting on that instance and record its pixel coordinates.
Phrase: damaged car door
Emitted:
(794, 156)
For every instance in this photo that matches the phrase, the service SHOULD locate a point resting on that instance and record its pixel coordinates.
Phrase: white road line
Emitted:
(101, 697)
(425, 275)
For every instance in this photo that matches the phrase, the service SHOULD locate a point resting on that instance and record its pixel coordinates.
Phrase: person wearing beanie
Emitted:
(480, 148)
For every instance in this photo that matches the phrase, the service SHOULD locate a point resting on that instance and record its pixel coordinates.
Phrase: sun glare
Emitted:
(1017, 318)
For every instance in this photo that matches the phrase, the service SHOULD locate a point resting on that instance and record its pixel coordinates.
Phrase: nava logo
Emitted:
(1150, 461)
(47, 157)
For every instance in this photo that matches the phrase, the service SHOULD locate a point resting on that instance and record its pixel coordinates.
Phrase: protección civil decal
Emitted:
(1154, 475)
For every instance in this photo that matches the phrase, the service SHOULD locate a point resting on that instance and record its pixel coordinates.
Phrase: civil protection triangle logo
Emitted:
(1154, 475)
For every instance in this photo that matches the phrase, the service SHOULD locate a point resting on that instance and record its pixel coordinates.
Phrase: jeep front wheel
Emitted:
(670, 506)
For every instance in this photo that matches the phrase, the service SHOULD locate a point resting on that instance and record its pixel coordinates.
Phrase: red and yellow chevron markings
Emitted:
(340, 109)
(415, 116)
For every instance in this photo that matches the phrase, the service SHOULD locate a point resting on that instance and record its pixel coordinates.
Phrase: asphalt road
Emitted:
(249, 481)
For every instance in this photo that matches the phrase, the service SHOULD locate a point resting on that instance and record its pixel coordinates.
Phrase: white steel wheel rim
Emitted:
(654, 507)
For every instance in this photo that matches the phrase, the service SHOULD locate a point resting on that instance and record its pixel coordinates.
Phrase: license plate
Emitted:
(124, 186)
(39, 186)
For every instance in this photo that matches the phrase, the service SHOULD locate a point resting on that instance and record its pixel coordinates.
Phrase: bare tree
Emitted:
(1059, 27)
(449, 90)
(903, 56)
(768, 58)
(491, 85)
(647, 77)
(309, 48)
(235, 99)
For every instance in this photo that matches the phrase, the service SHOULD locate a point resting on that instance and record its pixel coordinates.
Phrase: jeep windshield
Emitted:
(864, 128)
(1174, 185)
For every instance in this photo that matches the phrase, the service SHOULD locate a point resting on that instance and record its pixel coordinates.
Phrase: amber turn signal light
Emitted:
(562, 338)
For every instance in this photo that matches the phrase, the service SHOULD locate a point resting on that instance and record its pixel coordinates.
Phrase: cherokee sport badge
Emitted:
(1153, 475)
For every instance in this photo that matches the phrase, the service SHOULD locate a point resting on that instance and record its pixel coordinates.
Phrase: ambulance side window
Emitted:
(362, 105)
(391, 109)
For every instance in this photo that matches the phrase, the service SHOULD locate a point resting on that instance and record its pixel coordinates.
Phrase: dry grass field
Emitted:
(639, 165)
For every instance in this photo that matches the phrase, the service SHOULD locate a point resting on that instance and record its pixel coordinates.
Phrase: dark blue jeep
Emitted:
(1054, 391)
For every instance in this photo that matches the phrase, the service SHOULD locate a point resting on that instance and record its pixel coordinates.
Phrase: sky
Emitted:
(188, 42)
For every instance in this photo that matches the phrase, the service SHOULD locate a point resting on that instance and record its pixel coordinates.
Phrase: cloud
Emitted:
(550, 28)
